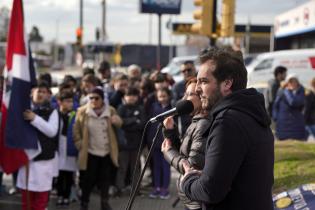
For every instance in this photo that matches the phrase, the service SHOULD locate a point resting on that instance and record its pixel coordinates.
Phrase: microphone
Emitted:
(182, 107)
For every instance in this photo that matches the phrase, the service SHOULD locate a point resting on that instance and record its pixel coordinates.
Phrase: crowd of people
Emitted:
(291, 106)
(90, 131)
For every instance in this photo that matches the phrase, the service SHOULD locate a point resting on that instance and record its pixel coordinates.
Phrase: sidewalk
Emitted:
(143, 202)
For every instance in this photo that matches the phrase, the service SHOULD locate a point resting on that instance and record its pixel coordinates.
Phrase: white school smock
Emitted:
(66, 163)
(41, 172)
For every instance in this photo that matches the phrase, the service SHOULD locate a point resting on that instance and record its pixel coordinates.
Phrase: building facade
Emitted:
(295, 29)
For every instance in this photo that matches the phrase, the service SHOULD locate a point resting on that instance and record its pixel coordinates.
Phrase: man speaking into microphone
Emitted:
(239, 156)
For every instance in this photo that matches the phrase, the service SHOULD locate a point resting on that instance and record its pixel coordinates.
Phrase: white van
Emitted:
(299, 62)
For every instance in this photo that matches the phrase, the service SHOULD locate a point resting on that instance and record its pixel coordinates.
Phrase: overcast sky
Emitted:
(124, 23)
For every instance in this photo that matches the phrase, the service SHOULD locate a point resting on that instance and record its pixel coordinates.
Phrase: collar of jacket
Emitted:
(91, 113)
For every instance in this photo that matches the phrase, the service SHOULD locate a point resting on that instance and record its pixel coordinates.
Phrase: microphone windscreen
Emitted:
(184, 107)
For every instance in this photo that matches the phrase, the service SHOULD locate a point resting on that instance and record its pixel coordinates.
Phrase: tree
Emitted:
(35, 35)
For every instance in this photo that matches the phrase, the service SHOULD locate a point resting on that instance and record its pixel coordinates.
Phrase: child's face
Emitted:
(163, 98)
(121, 85)
(66, 104)
(40, 95)
(130, 99)
(87, 87)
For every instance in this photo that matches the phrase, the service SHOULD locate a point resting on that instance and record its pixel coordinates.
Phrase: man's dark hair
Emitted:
(89, 78)
(104, 66)
(63, 86)
(229, 65)
(160, 77)
(69, 78)
(279, 70)
(166, 90)
(62, 95)
(189, 62)
(43, 84)
(147, 86)
(132, 91)
(87, 71)
(46, 77)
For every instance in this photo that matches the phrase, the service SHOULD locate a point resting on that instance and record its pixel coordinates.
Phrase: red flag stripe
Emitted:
(16, 44)
(11, 159)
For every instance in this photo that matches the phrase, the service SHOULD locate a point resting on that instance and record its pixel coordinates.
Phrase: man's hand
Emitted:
(186, 166)
(169, 123)
(29, 115)
(115, 119)
(189, 169)
(166, 145)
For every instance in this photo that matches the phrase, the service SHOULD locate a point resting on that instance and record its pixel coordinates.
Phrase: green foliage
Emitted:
(294, 164)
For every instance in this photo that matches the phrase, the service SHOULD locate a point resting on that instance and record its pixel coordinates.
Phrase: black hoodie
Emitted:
(238, 172)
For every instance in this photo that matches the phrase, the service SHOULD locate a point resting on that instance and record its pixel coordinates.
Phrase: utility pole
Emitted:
(150, 28)
(158, 52)
(103, 20)
(247, 36)
(56, 42)
(81, 15)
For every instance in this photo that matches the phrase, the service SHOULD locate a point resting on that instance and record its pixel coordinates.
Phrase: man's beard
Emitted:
(210, 102)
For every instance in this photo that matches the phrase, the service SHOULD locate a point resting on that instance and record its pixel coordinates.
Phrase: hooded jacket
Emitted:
(238, 171)
(287, 113)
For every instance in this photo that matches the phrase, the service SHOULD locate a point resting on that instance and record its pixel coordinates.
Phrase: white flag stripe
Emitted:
(20, 67)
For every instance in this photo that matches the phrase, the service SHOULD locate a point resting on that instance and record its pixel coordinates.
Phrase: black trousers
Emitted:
(97, 173)
(64, 183)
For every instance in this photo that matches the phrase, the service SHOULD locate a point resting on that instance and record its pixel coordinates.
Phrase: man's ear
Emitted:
(226, 86)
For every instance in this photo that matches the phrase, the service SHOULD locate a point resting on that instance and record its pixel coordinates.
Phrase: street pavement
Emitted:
(143, 202)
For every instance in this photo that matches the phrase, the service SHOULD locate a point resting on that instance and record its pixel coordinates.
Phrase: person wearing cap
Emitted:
(287, 110)
(96, 141)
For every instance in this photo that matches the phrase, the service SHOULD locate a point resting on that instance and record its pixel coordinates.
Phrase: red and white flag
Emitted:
(18, 139)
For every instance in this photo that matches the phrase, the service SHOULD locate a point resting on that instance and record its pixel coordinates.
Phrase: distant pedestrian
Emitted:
(105, 74)
(309, 111)
(280, 73)
(188, 70)
(88, 83)
(133, 116)
(120, 86)
(287, 110)
(161, 168)
(95, 138)
(134, 74)
(67, 151)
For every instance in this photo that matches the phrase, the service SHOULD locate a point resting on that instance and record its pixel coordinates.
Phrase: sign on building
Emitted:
(296, 21)
(160, 6)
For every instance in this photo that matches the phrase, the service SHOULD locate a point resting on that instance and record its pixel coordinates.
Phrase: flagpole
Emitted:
(28, 199)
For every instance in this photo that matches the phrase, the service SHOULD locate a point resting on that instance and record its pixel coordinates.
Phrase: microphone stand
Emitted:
(136, 188)
(138, 156)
